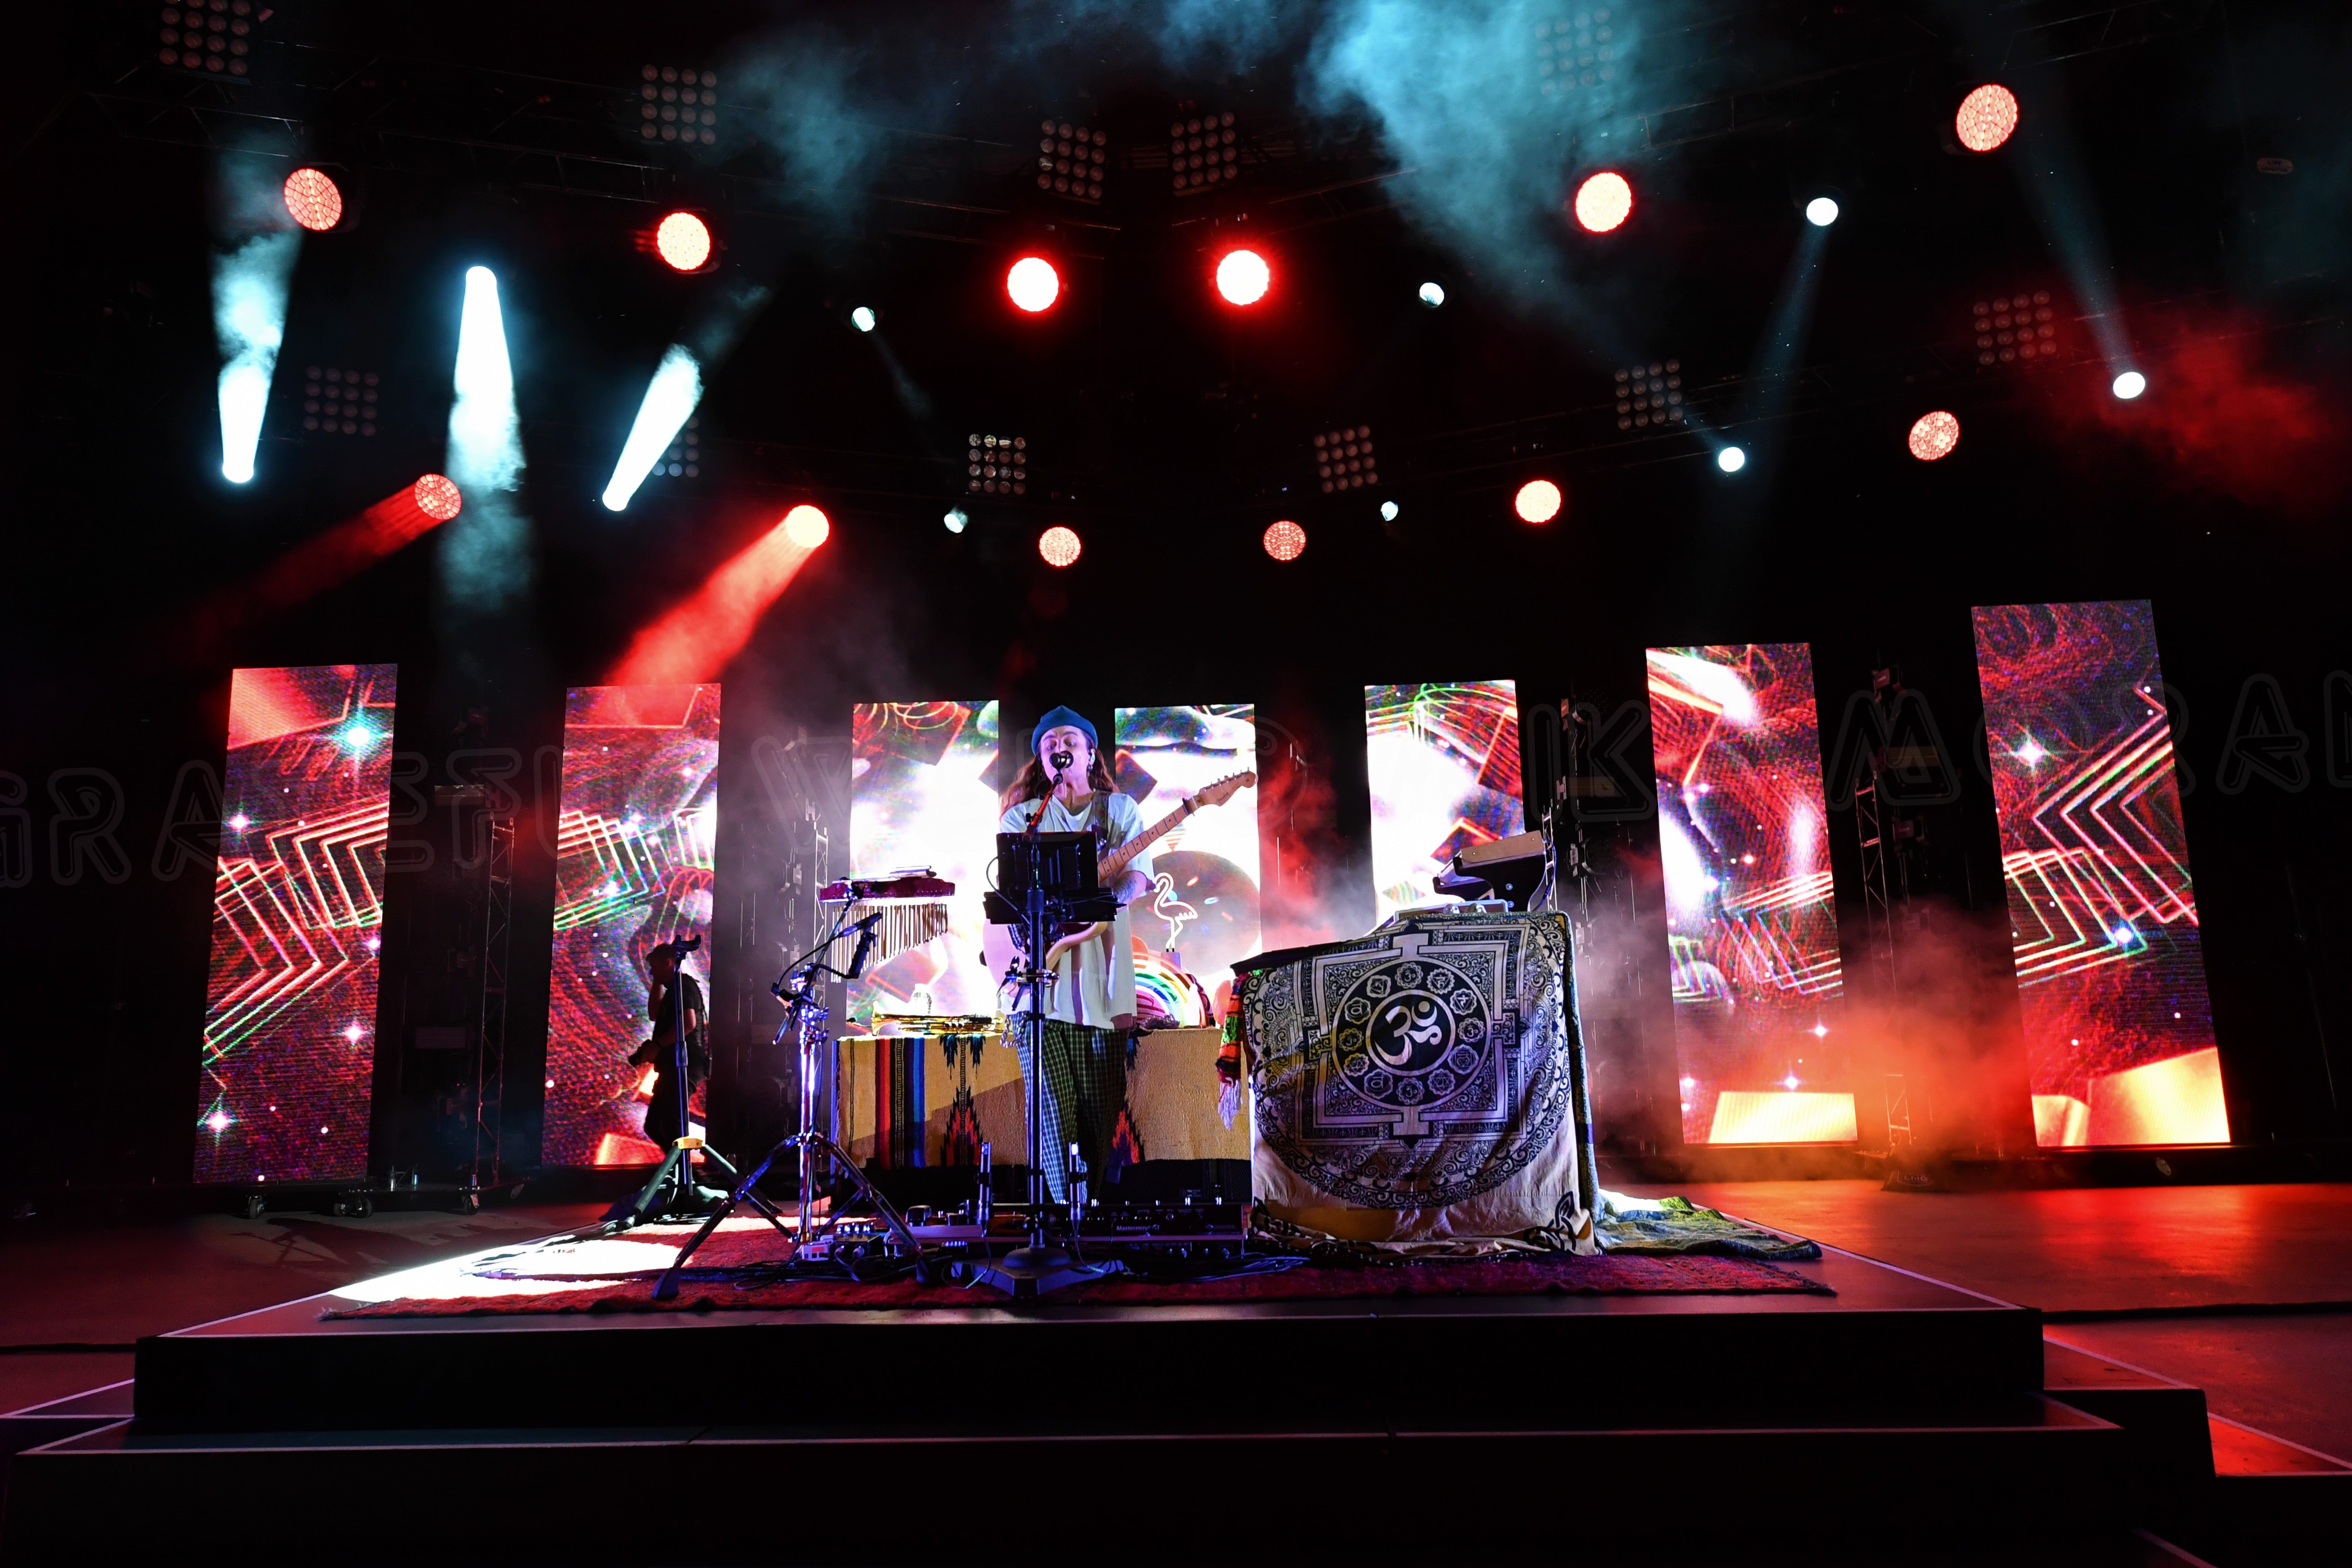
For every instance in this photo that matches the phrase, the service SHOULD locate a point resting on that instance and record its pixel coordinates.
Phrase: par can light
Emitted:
(2130, 384)
(313, 199)
(1059, 545)
(1433, 295)
(683, 240)
(864, 319)
(1538, 501)
(1934, 436)
(807, 526)
(1731, 459)
(1033, 284)
(1821, 211)
(1285, 540)
(1604, 202)
(436, 496)
(1242, 277)
(1987, 118)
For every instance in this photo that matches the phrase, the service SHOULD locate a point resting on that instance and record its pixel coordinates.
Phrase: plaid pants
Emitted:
(1086, 1084)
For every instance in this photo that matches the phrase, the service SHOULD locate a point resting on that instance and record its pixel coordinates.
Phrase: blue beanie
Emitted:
(1056, 720)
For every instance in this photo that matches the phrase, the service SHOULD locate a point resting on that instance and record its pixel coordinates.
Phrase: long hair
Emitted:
(1033, 784)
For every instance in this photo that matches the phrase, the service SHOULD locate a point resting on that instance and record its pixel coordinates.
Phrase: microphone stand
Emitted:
(803, 1015)
(1038, 1264)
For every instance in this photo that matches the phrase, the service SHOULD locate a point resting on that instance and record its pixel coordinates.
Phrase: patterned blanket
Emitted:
(1423, 1084)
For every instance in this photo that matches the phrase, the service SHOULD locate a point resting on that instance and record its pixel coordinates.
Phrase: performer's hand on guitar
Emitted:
(1069, 944)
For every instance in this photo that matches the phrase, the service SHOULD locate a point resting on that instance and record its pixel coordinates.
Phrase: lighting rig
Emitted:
(1072, 160)
(996, 465)
(1203, 152)
(678, 103)
(1649, 394)
(1345, 459)
(336, 401)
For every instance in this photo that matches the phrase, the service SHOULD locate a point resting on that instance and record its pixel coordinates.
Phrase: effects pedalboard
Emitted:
(1165, 1229)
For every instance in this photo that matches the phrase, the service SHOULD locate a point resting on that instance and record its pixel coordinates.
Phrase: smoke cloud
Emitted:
(1456, 90)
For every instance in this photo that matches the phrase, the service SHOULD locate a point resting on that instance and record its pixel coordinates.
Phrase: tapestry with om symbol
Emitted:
(1423, 1083)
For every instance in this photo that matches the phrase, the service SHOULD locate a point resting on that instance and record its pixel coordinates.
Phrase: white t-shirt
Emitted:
(1097, 980)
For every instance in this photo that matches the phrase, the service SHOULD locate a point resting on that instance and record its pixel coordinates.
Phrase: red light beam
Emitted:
(695, 638)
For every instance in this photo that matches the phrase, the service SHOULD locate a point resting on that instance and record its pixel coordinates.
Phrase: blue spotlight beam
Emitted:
(670, 400)
(485, 562)
(250, 287)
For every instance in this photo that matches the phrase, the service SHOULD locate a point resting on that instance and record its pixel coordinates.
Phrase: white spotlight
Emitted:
(863, 319)
(1388, 511)
(670, 398)
(1731, 459)
(1821, 212)
(250, 290)
(1433, 295)
(2130, 384)
(956, 518)
(485, 437)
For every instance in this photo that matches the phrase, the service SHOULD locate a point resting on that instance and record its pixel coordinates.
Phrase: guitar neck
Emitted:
(1113, 868)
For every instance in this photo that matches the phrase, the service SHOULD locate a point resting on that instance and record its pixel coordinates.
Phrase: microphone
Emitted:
(1061, 760)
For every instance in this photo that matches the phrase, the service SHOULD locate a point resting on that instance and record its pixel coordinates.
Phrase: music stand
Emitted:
(1044, 880)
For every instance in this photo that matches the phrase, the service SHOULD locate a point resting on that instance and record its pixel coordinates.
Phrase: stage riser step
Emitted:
(1367, 1369)
(1296, 1499)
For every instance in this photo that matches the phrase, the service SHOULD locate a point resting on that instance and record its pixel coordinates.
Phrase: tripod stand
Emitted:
(803, 1017)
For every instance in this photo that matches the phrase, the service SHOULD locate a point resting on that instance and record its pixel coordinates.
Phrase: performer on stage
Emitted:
(666, 1118)
(1066, 787)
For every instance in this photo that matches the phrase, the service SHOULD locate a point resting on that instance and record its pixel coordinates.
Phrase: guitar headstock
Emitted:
(1224, 789)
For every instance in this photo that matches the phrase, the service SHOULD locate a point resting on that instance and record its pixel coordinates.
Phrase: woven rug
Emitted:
(616, 1274)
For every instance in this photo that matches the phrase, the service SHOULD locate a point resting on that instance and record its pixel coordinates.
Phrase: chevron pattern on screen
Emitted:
(2110, 964)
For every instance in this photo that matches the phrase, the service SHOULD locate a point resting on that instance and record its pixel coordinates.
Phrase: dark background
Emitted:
(1168, 431)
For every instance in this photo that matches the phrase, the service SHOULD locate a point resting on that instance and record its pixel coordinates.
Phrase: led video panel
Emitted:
(638, 819)
(923, 792)
(297, 906)
(2110, 971)
(1204, 898)
(1751, 918)
(1444, 764)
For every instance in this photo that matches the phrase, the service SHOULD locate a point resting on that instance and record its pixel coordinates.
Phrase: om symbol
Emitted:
(1414, 1033)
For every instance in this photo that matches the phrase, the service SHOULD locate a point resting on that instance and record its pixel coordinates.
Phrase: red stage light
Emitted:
(313, 200)
(807, 526)
(1242, 277)
(1934, 436)
(682, 241)
(1285, 541)
(437, 498)
(1059, 545)
(1987, 118)
(1537, 500)
(1603, 201)
(1033, 284)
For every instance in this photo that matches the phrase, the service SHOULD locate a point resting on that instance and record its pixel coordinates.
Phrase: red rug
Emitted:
(543, 1279)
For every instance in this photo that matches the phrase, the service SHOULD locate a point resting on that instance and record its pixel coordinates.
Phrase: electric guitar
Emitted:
(999, 944)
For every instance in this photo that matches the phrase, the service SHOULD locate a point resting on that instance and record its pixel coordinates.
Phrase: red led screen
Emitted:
(639, 817)
(298, 904)
(2110, 970)
(1750, 915)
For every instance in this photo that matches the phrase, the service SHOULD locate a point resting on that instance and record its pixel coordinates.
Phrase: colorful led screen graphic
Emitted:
(923, 793)
(2110, 972)
(298, 904)
(1204, 896)
(1443, 765)
(639, 817)
(1750, 915)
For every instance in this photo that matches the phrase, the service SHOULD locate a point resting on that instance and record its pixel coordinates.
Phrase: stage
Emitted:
(1178, 1431)
(1878, 1415)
